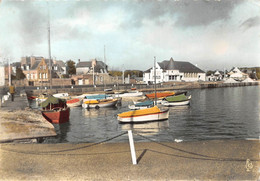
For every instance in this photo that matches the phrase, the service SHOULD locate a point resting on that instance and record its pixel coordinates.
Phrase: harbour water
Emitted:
(217, 113)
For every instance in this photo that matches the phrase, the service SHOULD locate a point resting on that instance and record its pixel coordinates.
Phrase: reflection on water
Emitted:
(150, 128)
(61, 130)
(220, 113)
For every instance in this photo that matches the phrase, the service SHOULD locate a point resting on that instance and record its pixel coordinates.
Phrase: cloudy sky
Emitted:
(212, 34)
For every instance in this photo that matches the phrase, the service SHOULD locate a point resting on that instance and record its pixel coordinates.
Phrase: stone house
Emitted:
(37, 69)
(85, 74)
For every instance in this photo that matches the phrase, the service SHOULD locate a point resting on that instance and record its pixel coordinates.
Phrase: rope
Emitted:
(192, 153)
(65, 150)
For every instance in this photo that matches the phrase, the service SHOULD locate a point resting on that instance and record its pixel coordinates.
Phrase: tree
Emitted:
(115, 73)
(134, 73)
(71, 67)
(19, 73)
(210, 72)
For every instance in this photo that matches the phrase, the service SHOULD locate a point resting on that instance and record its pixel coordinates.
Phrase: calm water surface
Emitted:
(219, 113)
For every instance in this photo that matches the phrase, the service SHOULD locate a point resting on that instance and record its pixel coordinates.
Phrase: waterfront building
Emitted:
(216, 76)
(37, 69)
(236, 74)
(91, 72)
(171, 70)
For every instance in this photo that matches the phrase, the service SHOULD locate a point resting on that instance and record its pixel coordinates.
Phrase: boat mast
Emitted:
(49, 46)
(105, 66)
(155, 96)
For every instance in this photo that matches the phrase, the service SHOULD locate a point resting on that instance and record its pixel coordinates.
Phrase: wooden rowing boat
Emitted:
(143, 115)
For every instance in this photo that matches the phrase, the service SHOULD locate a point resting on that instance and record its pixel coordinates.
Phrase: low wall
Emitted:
(144, 87)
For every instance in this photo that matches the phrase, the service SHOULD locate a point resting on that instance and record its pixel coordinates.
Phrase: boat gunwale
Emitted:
(145, 114)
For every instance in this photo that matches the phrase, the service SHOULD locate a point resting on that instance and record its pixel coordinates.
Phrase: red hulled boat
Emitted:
(55, 110)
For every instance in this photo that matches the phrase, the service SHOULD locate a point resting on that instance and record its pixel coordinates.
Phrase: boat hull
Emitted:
(130, 94)
(163, 115)
(177, 103)
(134, 107)
(109, 103)
(181, 103)
(57, 116)
(159, 95)
(74, 102)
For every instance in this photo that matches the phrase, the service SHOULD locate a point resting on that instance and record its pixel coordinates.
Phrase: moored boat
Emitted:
(99, 103)
(143, 115)
(55, 110)
(75, 102)
(41, 98)
(178, 100)
(62, 95)
(142, 105)
(134, 93)
(159, 95)
(97, 97)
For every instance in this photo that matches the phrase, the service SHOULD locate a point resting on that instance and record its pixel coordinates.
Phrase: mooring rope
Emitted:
(192, 153)
(64, 150)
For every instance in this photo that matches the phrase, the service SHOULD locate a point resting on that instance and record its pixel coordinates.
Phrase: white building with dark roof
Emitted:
(170, 70)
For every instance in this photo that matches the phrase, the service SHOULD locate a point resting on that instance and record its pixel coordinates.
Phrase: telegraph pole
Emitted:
(9, 71)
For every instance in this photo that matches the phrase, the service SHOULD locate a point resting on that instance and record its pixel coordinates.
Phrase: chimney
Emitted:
(78, 60)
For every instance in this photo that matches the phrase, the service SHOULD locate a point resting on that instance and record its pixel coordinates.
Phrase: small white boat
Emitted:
(180, 102)
(134, 93)
(143, 115)
(61, 95)
(41, 98)
(75, 102)
(99, 103)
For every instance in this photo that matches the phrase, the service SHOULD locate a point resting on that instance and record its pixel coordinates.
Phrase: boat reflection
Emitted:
(179, 110)
(149, 128)
(94, 113)
(61, 130)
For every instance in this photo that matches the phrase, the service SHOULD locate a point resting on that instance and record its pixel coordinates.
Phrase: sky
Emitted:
(211, 34)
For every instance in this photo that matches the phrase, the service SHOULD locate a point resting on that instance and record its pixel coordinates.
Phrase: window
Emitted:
(172, 77)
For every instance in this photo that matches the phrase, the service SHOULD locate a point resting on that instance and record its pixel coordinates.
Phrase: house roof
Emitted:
(61, 63)
(35, 65)
(182, 66)
(16, 64)
(100, 67)
(84, 64)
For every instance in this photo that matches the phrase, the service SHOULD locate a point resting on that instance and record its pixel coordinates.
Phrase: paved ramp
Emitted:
(18, 121)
